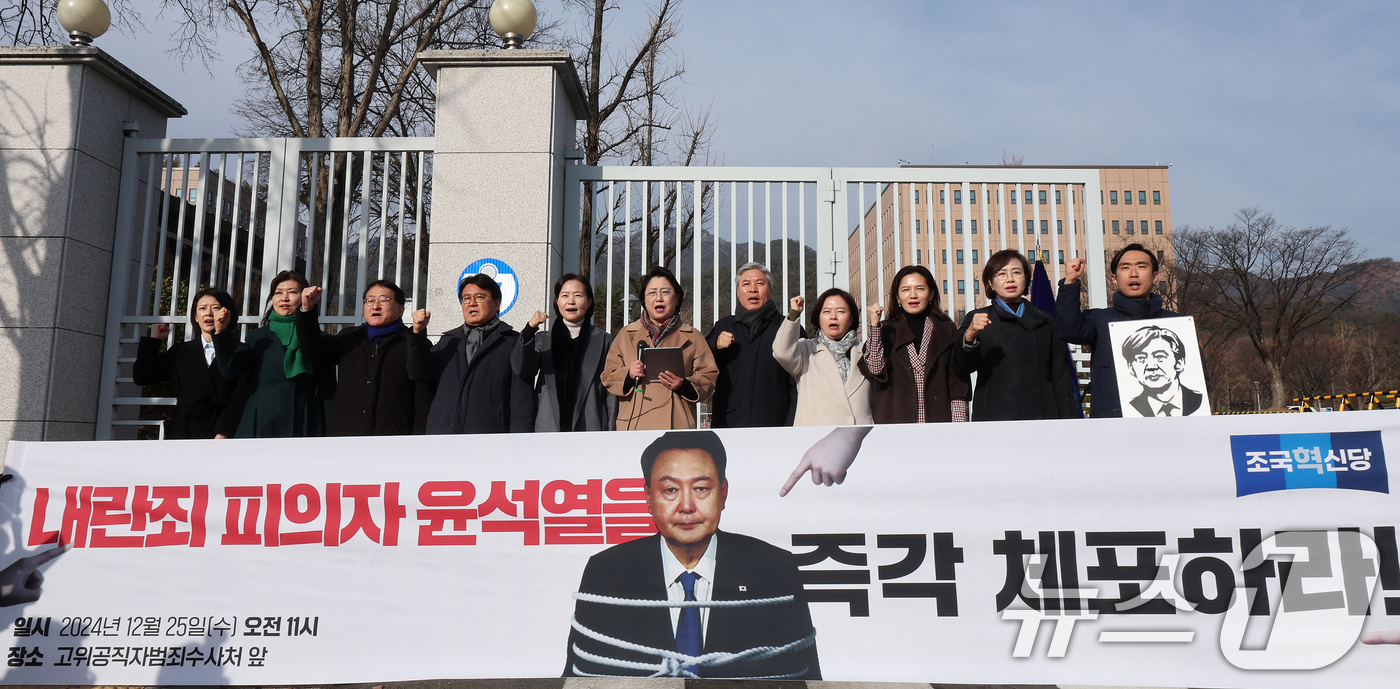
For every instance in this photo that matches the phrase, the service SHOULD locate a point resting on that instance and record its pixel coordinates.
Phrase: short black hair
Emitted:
(1118, 256)
(389, 285)
(587, 289)
(284, 276)
(483, 281)
(820, 303)
(662, 272)
(225, 300)
(705, 441)
(1000, 260)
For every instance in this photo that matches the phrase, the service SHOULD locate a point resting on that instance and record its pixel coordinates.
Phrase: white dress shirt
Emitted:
(208, 353)
(675, 592)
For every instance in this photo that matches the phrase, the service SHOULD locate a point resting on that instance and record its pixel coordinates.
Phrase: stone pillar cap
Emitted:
(560, 60)
(99, 61)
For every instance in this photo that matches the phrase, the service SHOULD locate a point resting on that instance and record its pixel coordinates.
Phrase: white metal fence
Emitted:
(231, 213)
(817, 228)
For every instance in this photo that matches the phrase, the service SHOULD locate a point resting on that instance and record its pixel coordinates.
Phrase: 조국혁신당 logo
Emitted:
(1286, 461)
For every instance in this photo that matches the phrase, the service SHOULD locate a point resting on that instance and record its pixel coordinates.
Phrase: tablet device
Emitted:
(658, 359)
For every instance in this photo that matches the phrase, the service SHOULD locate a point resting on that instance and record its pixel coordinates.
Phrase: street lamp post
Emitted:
(84, 20)
(1257, 406)
(513, 21)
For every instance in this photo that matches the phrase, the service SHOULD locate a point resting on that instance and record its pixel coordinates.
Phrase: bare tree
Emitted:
(633, 111)
(1011, 158)
(1272, 282)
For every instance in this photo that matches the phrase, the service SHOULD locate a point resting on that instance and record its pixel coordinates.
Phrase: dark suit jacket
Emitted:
(206, 403)
(374, 394)
(745, 568)
(1190, 400)
(487, 395)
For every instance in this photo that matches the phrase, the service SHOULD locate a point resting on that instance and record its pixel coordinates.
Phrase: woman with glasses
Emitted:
(206, 403)
(1022, 366)
(566, 363)
(907, 357)
(288, 398)
(659, 400)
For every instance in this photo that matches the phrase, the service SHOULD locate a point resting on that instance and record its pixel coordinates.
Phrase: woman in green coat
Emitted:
(286, 400)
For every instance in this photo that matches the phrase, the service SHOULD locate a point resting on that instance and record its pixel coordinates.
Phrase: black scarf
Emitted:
(756, 320)
(476, 334)
(568, 363)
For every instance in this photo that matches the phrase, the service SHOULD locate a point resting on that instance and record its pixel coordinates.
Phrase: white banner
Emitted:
(1206, 552)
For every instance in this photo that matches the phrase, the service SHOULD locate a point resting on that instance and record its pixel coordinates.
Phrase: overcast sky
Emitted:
(1292, 107)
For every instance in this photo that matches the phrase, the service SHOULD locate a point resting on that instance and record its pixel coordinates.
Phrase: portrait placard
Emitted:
(1159, 367)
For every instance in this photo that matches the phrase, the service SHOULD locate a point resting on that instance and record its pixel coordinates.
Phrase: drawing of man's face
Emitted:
(685, 496)
(1156, 365)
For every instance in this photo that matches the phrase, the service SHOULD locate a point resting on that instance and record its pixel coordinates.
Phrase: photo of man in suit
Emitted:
(1156, 357)
(748, 617)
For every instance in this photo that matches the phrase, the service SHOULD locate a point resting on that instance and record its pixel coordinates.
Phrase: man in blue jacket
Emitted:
(1134, 275)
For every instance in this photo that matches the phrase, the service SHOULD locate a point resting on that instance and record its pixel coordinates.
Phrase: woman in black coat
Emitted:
(286, 397)
(207, 405)
(566, 361)
(1022, 366)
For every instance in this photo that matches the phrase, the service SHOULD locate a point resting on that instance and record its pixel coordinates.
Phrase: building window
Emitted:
(1129, 227)
(1142, 198)
(1062, 257)
(957, 196)
(1127, 198)
(961, 288)
(918, 256)
(974, 227)
(1103, 225)
(957, 227)
(1059, 227)
(1156, 198)
(917, 227)
(1028, 196)
(1115, 227)
(1013, 227)
(945, 286)
(1100, 197)
(976, 287)
(916, 197)
(1112, 198)
(1057, 197)
(1159, 227)
(972, 196)
(944, 225)
(998, 195)
(960, 256)
(1143, 226)
(1161, 257)
(194, 194)
(1045, 227)
(945, 257)
(1013, 197)
(1042, 197)
(974, 256)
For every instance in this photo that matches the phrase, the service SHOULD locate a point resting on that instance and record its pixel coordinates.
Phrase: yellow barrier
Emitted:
(1353, 400)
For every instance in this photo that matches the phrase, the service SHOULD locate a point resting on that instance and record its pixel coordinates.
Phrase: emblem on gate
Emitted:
(501, 272)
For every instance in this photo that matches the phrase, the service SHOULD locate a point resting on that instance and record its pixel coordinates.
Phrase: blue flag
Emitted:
(1042, 292)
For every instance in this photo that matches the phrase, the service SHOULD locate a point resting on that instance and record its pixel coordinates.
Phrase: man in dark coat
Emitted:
(478, 388)
(1134, 275)
(691, 560)
(753, 389)
(375, 395)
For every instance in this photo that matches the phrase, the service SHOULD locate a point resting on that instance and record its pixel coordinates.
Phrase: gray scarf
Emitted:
(840, 349)
(477, 334)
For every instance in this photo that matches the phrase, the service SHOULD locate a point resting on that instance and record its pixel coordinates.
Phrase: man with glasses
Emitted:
(374, 394)
(474, 367)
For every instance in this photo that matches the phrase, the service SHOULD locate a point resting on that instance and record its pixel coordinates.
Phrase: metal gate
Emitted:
(818, 228)
(230, 213)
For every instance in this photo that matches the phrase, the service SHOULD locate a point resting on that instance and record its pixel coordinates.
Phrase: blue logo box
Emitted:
(1287, 461)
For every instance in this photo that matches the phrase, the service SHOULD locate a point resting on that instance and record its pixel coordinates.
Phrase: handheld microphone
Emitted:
(641, 382)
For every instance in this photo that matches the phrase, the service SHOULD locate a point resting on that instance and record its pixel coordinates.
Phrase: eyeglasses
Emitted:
(665, 293)
(476, 299)
(1011, 274)
(381, 299)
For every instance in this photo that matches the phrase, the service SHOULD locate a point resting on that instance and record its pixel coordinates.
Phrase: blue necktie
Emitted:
(688, 627)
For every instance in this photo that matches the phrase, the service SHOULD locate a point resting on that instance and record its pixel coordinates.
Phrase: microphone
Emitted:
(641, 382)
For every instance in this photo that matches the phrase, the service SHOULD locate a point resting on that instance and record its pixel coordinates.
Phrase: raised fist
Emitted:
(420, 320)
(310, 297)
(1074, 268)
(979, 323)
